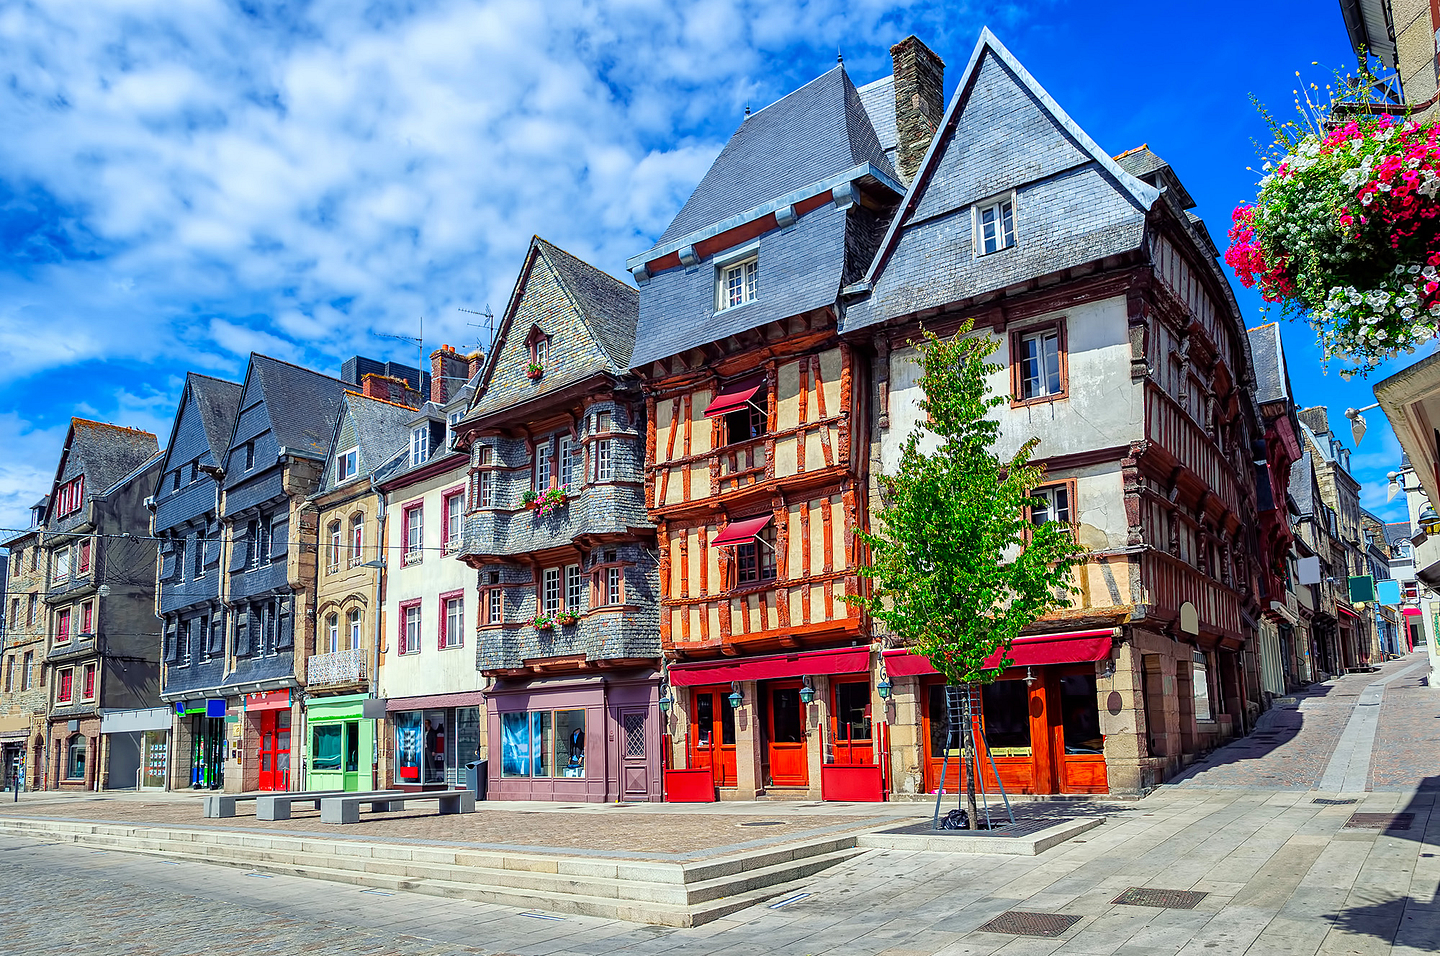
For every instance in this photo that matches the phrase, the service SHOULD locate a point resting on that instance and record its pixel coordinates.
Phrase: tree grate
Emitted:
(1328, 802)
(1380, 821)
(1165, 899)
(1016, 923)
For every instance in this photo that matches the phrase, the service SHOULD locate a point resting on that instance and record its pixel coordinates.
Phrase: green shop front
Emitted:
(341, 744)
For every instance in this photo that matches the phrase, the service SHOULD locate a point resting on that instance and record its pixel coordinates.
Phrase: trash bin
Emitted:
(477, 777)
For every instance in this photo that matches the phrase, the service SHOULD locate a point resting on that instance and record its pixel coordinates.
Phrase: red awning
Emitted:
(1071, 647)
(1409, 610)
(734, 395)
(849, 660)
(1346, 610)
(738, 532)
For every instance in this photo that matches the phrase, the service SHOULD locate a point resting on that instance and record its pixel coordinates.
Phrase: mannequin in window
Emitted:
(577, 748)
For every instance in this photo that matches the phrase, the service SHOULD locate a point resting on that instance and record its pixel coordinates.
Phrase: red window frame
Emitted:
(84, 556)
(444, 629)
(403, 614)
(452, 499)
(89, 688)
(65, 687)
(62, 626)
(416, 555)
(87, 617)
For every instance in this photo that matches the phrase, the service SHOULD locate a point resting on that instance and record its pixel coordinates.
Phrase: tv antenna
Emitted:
(488, 325)
(417, 341)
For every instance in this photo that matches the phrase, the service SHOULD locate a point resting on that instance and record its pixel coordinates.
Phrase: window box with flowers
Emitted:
(534, 370)
(568, 620)
(544, 623)
(551, 500)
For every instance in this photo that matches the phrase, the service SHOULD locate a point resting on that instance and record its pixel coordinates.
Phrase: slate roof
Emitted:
(589, 316)
(1001, 131)
(1302, 482)
(134, 473)
(1272, 377)
(376, 428)
(878, 98)
(303, 405)
(1143, 164)
(1396, 531)
(815, 132)
(219, 403)
(104, 453)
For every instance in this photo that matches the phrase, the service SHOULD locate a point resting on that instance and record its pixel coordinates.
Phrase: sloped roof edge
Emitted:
(1143, 193)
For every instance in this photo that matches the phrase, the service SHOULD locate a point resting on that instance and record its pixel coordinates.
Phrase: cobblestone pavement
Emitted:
(1293, 744)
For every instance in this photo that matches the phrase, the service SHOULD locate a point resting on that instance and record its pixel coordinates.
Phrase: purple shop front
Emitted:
(593, 738)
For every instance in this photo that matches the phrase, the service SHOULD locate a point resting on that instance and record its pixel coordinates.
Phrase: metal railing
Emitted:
(339, 667)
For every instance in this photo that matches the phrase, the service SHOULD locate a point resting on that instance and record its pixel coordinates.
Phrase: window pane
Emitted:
(852, 711)
(407, 746)
(785, 715)
(569, 742)
(704, 719)
(567, 461)
(1080, 715)
(1051, 350)
(727, 720)
(1007, 217)
(540, 737)
(1029, 367)
(1006, 708)
(435, 746)
(352, 747)
(327, 747)
(515, 745)
(634, 735)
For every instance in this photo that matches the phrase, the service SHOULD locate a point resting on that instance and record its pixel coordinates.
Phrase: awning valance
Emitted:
(1071, 647)
(738, 532)
(849, 660)
(1346, 611)
(734, 395)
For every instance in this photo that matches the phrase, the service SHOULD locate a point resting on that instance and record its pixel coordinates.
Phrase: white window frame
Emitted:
(574, 589)
(1003, 238)
(550, 594)
(737, 279)
(604, 460)
(543, 469)
(347, 464)
(332, 633)
(495, 605)
(337, 543)
(567, 461)
(1050, 335)
(354, 620)
(486, 494)
(451, 421)
(612, 586)
(454, 507)
(414, 632)
(419, 444)
(414, 532)
(62, 565)
(1053, 511)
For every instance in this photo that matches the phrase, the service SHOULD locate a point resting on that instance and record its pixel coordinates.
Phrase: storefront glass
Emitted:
(433, 746)
(1006, 708)
(1080, 715)
(326, 747)
(408, 741)
(207, 752)
(543, 744)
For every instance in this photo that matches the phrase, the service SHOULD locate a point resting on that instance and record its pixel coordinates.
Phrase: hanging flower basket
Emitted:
(1346, 232)
(552, 500)
(568, 620)
(544, 623)
(534, 371)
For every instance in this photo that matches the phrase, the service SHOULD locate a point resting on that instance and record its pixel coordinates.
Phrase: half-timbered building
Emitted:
(754, 454)
(1123, 351)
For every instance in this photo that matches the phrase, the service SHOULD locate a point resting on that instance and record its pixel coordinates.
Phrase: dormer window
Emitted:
(347, 464)
(419, 444)
(70, 496)
(451, 421)
(736, 283)
(539, 345)
(994, 226)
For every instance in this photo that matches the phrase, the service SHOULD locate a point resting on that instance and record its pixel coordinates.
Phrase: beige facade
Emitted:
(22, 671)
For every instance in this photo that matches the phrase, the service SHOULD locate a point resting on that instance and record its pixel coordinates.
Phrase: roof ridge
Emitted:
(802, 86)
(351, 393)
(1133, 149)
(214, 378)
(298, 368)
(76, 420)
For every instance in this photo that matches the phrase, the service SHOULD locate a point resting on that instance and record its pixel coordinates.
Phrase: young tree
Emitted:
(957, 566)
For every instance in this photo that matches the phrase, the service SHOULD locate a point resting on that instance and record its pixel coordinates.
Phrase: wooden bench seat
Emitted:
(346, 808)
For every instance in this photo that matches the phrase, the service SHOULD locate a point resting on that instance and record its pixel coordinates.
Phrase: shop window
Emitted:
(352, 746)
(75, 756)
(852, 711)
(543, 744)
(1080, 715)
(755, 559)
(1005, 706)
(328, 746)
(1200, 680)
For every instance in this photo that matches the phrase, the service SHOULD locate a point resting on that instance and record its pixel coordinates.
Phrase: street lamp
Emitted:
(807, 693)
(1357, 421)
(735, 698)
(883, 689)
(1429, 520)
(665, 700)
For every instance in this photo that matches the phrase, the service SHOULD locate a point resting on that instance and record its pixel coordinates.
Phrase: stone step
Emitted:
(662, 893)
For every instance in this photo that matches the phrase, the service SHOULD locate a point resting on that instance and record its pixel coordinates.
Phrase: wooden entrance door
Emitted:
(785, 735)
(850, 724)
(712, 737)
(1012, 735)
(634, 754)
(1079, 745)
(274, 752)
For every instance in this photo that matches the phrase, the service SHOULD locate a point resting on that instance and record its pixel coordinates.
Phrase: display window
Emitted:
(543, 744)
(433, 746)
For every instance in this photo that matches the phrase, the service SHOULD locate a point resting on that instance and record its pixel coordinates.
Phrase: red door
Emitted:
(712, 743)
(851, 724)
(786, 737)
(274, 750)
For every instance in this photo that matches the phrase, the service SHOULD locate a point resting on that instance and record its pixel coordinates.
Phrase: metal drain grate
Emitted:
(1017, 923)
(762, 823)
(1380, 821)
(1165, 899)
(1329, 802)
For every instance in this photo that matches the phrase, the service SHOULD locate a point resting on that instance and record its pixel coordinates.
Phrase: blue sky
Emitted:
(185, 181)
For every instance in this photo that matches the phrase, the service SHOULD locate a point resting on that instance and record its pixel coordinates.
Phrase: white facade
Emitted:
(427, 669)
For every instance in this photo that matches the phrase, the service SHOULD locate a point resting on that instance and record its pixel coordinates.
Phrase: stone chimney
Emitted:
(447, 374)
(476, 360)
(397, 391)
(1317, 419)
(919, 102)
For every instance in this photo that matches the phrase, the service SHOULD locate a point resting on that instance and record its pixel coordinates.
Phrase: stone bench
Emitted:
(346, 809)
(276, 806)
(224, 804)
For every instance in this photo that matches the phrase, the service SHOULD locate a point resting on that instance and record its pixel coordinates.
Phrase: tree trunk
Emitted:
(968, 756)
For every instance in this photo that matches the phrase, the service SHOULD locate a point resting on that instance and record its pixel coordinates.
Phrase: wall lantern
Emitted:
(807, 693)
(665, 700)
(1429, 520)
(735, 698)
(1030, 675)
(883, 689)
(1108, 670)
